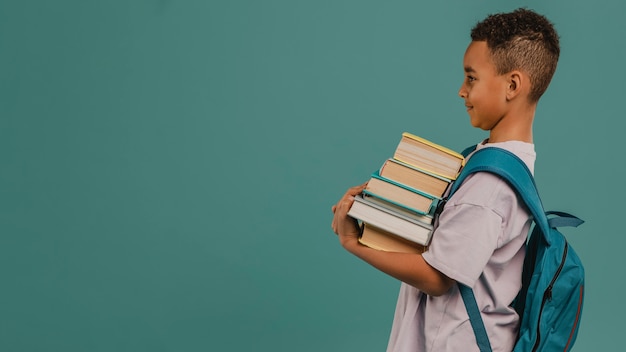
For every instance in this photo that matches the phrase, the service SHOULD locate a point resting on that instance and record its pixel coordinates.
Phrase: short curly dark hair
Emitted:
(521, 40)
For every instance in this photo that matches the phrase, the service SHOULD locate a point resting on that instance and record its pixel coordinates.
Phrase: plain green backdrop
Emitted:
(167, 168)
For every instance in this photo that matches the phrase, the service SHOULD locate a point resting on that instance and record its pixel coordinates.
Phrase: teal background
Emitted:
(167, 168)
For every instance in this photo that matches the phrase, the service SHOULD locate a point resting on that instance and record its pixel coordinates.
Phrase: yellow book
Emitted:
(382, 240)
(426, 155)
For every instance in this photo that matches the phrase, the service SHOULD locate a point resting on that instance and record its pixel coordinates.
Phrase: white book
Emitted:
(425, 218)
(401, 225)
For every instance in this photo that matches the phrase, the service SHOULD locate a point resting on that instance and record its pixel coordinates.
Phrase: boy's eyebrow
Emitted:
(469, 69)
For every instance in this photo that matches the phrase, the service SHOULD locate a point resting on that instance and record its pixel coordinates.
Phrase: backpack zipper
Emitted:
(580, 304)
(547, 295)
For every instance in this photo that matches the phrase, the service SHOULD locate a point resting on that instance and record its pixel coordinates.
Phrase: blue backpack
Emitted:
(553, 279)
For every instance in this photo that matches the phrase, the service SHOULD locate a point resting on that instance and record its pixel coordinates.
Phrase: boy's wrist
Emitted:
(351, 244)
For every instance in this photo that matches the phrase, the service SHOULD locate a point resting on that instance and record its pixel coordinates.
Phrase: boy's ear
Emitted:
(515, 84)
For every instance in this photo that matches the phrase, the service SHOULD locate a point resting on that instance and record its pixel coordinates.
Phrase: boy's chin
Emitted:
(477, 124)
(473, 121)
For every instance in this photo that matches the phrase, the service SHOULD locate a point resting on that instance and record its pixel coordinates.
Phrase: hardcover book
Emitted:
(382, 240)
(414, 177)
(396, 223)
(399, 194)
(425, 218)
(429, 156)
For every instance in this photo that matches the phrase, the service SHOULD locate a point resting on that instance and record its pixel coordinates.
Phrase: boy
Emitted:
(480, 235)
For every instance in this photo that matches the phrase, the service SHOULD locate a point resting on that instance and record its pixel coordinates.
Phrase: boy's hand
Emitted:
(343, 225)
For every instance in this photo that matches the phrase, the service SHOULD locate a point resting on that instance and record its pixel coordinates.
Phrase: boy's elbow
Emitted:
(437, 291)
(430, 280)
(439, 287)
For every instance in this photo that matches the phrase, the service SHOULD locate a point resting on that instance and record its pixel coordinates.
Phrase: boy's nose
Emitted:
(462, 92)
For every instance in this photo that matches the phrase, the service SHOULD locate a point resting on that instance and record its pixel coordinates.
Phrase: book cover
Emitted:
(382, 240)
(396, 223)
(399, 194)
(429, 156)
(433, 145)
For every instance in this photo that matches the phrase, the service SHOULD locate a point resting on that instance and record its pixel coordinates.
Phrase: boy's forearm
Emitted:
(407, 267)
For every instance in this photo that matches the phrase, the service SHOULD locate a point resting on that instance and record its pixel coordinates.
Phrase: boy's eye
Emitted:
(471, 78)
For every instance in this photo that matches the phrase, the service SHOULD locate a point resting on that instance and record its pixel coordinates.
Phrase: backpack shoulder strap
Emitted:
(480, 333)
(467, 151)
(513, 170)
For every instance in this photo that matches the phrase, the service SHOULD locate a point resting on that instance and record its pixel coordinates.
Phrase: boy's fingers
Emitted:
(357, 189)
(344, 204)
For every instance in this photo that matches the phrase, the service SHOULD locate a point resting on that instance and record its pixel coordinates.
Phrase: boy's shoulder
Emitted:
(489, 191)
(523, 150)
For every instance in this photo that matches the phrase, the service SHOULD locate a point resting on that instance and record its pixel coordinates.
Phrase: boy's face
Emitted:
(483, 89)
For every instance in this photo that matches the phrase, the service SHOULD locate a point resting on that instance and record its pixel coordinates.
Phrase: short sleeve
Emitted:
(470, 228)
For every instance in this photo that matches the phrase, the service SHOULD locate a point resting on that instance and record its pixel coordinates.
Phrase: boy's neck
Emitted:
(517, 125)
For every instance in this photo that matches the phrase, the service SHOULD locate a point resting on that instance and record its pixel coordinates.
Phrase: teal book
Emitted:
(414, 177)
(400, 194)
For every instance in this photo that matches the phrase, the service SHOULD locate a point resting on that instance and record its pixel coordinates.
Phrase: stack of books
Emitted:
(397, 206)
